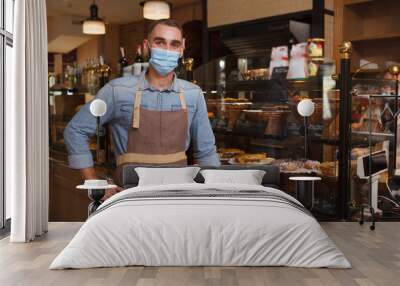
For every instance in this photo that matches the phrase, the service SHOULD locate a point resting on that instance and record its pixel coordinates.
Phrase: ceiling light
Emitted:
(94, 25)
(156, 10)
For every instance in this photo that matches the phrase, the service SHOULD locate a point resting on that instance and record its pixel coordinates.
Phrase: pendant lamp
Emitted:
(156, 9)
(94, 25)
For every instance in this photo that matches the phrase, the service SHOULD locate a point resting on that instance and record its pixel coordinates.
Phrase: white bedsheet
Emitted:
(206, 231)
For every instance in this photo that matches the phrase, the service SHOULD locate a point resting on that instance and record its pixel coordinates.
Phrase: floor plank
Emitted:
(375, 257)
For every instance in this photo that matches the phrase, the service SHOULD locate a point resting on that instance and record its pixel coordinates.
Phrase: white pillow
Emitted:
(249, 177)
(165, 176)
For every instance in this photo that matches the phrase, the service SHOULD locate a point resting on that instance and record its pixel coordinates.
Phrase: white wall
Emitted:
(223, 12)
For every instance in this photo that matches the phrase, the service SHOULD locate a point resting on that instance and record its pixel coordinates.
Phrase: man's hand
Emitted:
(110, 192)
(90, 174)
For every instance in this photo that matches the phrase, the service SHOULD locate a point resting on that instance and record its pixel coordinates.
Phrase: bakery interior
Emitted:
(255, 64)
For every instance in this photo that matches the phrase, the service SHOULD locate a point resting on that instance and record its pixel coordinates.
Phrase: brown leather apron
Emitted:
(155, 137)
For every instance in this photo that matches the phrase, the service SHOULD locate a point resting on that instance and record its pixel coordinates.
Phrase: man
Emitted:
(153, 116)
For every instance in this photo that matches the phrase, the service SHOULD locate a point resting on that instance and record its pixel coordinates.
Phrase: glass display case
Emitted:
(373, 129)
(68, 92)
(255, 121)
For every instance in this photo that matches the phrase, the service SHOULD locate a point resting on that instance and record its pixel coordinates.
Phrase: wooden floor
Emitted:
(375, 257)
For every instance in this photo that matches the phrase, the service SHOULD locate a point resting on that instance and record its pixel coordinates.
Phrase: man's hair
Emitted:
(166, 22)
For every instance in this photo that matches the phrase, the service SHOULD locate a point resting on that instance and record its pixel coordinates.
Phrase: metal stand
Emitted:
(372, 201)
(95, 196)
(395, 71)
(305, 197)
(344, 131)
(361, 222)
(372, 180)
(305, 190)
(305, 137)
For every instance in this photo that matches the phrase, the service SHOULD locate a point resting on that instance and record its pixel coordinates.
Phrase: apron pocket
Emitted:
(176, 107)
(126, 108)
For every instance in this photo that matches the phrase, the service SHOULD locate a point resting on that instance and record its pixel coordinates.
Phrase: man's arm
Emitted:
(81, 128)
(203, 137)
(88, 173)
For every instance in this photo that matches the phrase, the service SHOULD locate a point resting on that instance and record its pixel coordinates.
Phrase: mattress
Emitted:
(201, 225)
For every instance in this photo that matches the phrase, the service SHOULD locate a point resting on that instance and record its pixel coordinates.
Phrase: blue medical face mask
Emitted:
(164, 61)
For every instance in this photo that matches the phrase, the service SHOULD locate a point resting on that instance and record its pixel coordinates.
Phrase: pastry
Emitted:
(288, 166)
(235, 100)
(227, 153)
(311, 165)
(329, 168)
(249, 158)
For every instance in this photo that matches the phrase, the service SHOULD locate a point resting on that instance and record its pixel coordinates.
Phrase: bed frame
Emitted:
(271, 178)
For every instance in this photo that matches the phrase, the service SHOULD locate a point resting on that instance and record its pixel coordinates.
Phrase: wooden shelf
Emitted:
(354, 2)
(383, 36)
(311, 83)
(372, 27)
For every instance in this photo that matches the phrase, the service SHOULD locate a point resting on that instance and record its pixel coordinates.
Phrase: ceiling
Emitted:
(65, 16)
(66, 43)
(112, 11)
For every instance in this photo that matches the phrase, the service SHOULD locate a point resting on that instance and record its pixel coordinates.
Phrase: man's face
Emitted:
(167, 38)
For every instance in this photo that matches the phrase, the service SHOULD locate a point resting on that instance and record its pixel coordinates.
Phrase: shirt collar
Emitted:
(147, 86)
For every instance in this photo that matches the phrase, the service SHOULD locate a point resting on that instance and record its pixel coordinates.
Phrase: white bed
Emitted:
(243, 227)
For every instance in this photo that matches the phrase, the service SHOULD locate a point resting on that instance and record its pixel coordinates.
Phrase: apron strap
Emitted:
(136, 108)
(182, 97)
(182, 100)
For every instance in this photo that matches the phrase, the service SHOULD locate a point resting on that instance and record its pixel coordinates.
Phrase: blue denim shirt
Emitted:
(119, 95)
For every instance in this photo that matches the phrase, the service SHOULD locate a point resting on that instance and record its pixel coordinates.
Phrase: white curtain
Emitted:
(27, 144)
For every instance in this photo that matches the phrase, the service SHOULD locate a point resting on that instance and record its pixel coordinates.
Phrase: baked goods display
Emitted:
(273, 116)
(227, 109)
(297, 166)
(373, 114)
(213, 105)
(232, 110)
(275, 119)
(311, 165)
(235, 100)
(370, 120)
(235, 156)
(329, 169)
(290, 166)
(250, 158)
(228, 153)
(253, 115)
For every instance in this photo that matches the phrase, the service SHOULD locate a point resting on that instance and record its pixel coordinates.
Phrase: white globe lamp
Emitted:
(306, 108)
(98, 107)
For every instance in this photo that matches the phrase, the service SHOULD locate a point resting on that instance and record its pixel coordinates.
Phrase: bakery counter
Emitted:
(65, 202)
(69, 204)
(326, 189)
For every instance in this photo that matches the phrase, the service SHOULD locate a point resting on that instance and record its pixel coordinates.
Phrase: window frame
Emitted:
(6, 39)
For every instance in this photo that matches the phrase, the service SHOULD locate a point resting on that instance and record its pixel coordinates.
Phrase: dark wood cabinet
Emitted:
(66, 203)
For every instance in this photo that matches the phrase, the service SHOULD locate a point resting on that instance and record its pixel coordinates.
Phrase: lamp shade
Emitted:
(156, 10)
(94, 27)
(98, 107)
(306, 107)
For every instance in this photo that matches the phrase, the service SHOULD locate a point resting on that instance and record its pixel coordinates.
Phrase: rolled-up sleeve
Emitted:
(202, 136)
(82, 127)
